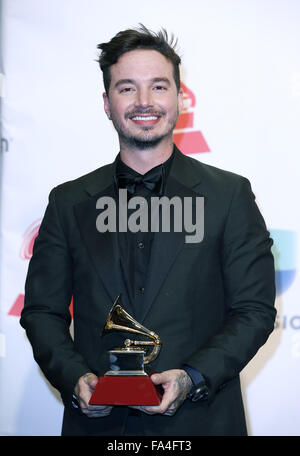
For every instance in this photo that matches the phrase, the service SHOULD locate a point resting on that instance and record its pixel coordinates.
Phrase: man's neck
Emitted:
(144, 160)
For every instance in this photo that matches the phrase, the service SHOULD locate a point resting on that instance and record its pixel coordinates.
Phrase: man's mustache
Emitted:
(143, 112)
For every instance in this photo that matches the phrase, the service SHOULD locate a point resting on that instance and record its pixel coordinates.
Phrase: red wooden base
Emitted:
(125, 390)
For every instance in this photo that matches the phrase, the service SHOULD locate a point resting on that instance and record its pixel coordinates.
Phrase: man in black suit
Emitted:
(210, 301)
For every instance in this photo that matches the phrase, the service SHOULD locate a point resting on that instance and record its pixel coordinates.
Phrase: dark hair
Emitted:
(140, 38)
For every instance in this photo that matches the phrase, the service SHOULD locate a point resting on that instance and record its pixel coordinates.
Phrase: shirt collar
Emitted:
(122, 167)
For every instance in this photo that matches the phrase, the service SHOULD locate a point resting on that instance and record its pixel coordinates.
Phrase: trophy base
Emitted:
(125, 390)
(113, 373)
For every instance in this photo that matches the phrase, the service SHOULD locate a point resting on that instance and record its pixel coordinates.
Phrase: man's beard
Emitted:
(141, 143)
(146, 141)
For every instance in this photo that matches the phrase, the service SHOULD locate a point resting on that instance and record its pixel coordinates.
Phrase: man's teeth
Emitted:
(144, 118)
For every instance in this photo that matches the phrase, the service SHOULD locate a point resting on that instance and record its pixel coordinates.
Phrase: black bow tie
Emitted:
(153, 180)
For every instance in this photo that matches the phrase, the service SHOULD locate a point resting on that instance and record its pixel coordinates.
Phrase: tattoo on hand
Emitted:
(183, 384)
(87, 375)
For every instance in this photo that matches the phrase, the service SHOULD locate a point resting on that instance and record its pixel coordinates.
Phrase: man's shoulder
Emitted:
(213, 176)
(89, 183)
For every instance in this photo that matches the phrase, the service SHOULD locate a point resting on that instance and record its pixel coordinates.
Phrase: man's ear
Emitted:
(106, 105)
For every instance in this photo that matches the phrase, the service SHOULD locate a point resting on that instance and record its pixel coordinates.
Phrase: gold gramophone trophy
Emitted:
(126, 383)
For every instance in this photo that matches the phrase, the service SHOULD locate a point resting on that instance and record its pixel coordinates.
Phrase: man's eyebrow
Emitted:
(124, 81)
(161, 79)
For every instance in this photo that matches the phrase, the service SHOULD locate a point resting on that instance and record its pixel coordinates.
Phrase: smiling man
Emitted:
(143, 101)
(211, 302)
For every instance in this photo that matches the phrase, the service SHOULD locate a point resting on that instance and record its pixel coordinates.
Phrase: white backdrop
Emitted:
(241, 71)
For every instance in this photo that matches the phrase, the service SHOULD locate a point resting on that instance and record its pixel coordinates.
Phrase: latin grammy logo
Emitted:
(188, 140)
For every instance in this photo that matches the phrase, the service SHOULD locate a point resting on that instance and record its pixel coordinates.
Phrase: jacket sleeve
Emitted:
(46, 316)
(249, 283)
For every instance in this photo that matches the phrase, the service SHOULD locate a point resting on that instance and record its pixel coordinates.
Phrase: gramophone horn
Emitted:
(120, 320)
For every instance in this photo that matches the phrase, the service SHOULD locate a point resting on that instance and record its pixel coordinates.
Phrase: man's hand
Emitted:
(176, 384)
(83, 391)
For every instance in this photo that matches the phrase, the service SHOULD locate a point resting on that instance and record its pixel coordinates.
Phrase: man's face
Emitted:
(143, 101)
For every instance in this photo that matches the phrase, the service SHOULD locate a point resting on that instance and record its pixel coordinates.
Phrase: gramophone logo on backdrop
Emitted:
(186, 138)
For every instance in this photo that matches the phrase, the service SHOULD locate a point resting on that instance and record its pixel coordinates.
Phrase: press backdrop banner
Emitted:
(241, 78)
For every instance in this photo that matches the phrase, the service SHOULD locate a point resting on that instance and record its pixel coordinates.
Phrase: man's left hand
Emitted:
(176, 384)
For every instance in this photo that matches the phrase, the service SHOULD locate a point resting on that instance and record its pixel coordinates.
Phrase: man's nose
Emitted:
(144, 98)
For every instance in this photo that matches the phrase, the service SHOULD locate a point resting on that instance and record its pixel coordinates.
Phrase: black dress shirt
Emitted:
(135, 248)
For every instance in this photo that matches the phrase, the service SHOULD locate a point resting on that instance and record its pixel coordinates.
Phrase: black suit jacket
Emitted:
(212, 303)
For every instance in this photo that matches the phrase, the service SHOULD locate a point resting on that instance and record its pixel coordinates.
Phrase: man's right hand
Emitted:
(83, 391)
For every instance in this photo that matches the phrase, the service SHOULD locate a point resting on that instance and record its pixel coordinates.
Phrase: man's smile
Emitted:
(145, 120)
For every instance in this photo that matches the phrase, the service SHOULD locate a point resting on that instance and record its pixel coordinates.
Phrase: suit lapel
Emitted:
(102, 247)
(166, 246)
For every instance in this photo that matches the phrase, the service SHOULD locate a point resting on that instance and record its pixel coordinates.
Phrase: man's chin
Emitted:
(143, 143)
